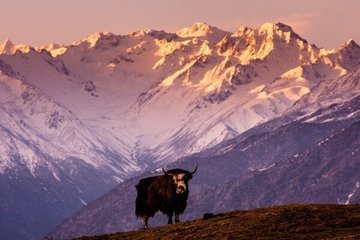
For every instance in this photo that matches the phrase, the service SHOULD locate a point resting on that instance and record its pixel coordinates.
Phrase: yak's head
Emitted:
(181, 178)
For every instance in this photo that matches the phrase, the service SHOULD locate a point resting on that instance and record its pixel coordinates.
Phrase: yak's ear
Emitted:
(166, 173)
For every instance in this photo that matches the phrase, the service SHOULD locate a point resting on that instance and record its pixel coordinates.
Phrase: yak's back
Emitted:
(144, 184)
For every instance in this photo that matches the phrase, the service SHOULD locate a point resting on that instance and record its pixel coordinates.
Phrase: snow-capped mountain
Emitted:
(308, 155)
(7, 47)
(84, 117)
(51, 162)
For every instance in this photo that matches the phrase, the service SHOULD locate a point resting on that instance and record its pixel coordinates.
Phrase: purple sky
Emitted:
(327, 23)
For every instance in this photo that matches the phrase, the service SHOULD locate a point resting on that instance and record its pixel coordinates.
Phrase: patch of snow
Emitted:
(266, 168)
(82, 201)
(323, 141)
(117, 179)
(225, 149)
(357, 186)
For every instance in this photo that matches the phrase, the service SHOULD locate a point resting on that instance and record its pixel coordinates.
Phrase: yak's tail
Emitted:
(141, 207)
(140, 200)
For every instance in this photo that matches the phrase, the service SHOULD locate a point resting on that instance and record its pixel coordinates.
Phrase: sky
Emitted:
(326, 23)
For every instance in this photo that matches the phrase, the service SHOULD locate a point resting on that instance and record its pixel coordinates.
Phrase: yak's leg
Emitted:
(177, 219)
(144, 221)
(170, 218)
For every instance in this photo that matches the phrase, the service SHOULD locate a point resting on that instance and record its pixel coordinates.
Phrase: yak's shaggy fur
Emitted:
(167, 193)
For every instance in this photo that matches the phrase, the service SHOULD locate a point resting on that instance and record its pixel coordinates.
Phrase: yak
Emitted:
(167, 193)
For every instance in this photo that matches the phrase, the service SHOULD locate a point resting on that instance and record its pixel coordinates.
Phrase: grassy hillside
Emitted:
(283, 222)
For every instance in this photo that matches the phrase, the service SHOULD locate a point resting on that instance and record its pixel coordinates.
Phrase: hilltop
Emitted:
(293, 221)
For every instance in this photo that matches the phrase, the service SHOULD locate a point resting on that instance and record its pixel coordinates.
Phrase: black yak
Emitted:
(167, 193)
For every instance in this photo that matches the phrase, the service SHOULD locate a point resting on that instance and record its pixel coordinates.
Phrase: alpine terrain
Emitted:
(270, 118)
(282, 222)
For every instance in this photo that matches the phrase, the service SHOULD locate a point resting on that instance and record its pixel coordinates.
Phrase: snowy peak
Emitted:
(271, 27)
(99, 40)
(332, 91)
(345, 58)
(350, 55)
(161, 35)
(272, 39)
(270, 32)
(279, 29)
(54, 49)
(283, 27)
(9, 48)
(280, 32)
(198, 29)
(201, 29)
(243, 31)
(351, 43)
(349, 46)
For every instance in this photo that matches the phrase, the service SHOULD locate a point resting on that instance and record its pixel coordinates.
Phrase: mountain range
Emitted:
(270, 118)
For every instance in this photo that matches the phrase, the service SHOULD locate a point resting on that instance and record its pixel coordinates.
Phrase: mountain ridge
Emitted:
(108, 107)
(311, 149)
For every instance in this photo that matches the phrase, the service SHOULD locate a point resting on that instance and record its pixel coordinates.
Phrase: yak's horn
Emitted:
(166, 173)
(194, 170)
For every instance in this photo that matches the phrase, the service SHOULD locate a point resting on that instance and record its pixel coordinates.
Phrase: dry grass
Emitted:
(283, 222)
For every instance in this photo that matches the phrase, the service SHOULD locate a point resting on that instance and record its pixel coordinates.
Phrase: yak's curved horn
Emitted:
(166, 173)
(195, 169)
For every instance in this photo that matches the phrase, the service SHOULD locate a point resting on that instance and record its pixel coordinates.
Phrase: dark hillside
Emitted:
(283, 222)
